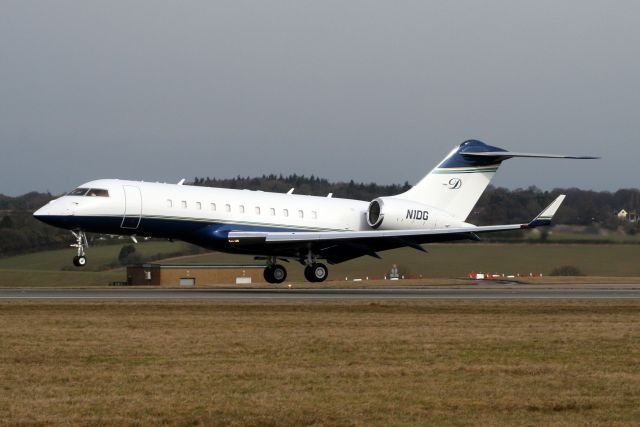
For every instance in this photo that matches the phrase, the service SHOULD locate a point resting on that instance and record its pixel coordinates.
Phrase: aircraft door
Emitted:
(132, 207)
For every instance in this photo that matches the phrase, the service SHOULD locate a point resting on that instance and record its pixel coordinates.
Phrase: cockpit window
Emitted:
(79, 192)
(93, 192)
(98, 192)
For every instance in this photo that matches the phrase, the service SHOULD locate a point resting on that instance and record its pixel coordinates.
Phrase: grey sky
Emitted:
(369, 90)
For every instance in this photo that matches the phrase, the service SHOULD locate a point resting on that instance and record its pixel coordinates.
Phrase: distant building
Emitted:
(174, 275)
(624, 215)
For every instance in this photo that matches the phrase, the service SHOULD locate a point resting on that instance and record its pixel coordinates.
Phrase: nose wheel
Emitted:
(80, 260)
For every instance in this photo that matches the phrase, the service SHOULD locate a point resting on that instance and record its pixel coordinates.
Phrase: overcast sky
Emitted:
(364, 90)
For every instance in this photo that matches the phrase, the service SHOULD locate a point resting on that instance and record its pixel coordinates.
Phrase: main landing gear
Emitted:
(274, 273)
(314, 271)
(80, 260)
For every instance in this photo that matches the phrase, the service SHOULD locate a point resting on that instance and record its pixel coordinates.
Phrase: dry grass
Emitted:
(327, 363)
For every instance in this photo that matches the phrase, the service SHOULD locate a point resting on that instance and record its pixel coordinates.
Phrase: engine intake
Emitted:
(374, 214)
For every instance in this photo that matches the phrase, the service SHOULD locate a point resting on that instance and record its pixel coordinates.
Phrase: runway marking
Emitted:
(605, 292)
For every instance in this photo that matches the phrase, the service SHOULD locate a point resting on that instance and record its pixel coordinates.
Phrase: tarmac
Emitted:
(546, 292)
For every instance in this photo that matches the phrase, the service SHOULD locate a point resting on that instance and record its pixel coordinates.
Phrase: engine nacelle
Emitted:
(390, 213)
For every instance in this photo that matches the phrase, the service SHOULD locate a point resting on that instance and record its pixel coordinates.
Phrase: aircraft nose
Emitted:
(43, 215)
(40, 213)
(50, 215)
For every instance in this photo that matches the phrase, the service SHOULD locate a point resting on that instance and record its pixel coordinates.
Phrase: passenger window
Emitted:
(257, 210)
(285, 212)
(272, 211)
(241, 208)
(184, 204)
(314, 214)
(213, 206)
(227, 207)
(300, 214)
(198, 205)
(169, 203)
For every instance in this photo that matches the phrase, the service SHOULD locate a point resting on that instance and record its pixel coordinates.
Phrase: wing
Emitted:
(339, 246)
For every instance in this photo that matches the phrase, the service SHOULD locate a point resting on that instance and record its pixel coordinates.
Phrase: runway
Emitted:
(439, 293)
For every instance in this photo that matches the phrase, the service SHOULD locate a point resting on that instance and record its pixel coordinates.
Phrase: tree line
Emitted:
(20, 232)
(311, 185)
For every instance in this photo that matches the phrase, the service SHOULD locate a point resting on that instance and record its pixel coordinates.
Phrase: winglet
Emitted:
(547, 214)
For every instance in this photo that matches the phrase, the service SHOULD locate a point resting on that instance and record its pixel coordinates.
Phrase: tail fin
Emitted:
(456, 184)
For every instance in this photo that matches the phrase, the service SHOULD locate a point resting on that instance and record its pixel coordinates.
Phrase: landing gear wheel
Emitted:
(79, 261)
(308, 274)
(268, 276)
(275, 274)
(279, 273)
(316, 272)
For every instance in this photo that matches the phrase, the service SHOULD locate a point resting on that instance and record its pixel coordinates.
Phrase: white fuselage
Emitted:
(200, 214)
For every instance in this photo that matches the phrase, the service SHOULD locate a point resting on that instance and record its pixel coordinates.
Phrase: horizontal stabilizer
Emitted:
(503, 155)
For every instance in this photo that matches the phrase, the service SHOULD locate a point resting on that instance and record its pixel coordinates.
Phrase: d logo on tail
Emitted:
(455, 183)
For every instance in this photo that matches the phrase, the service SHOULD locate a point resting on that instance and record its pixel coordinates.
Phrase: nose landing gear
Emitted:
(80, 260)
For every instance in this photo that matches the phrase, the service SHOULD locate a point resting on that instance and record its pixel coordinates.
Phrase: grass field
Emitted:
(329, 363)
(99, 256)
(457, 260)
(54, 268)
(44, 278)
(578, 234)
(51, 268)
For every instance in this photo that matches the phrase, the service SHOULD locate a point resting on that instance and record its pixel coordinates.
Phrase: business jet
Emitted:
(278, 227)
